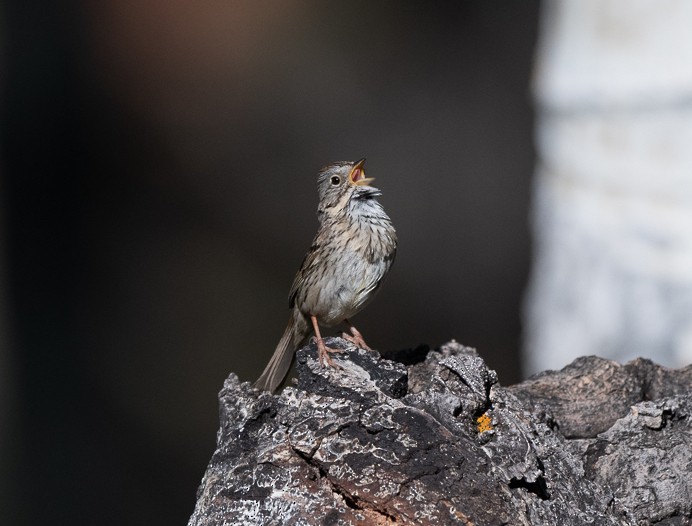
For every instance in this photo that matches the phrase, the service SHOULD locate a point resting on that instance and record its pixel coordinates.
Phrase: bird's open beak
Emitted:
(357, 175)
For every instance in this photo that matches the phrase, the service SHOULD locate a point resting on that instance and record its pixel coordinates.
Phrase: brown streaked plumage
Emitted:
(354, 248)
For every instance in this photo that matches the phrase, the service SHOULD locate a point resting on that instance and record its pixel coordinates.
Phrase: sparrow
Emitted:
(353, 250)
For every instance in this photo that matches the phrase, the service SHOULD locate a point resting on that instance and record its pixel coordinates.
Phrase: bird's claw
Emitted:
(356, 339)
(323, 353)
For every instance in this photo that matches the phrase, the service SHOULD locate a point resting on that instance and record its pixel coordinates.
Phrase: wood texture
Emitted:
(439, 441)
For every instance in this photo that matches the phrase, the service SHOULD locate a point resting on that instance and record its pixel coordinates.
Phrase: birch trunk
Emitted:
(612, 215)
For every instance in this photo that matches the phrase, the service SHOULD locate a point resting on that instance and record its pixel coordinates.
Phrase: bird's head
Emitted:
(339, 183)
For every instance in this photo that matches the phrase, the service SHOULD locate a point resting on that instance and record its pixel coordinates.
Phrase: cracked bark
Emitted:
(430, 438)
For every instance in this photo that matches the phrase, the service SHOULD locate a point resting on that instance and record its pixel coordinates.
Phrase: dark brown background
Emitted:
(159, 166)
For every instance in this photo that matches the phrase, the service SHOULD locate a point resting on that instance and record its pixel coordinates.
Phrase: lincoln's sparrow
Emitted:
(350, 255)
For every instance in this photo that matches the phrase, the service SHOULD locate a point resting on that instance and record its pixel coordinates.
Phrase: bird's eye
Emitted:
(335, 180)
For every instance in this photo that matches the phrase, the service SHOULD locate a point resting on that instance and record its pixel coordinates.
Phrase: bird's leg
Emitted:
(322, 350)
(357, 338)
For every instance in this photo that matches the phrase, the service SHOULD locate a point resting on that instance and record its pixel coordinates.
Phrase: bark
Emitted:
(433, 439)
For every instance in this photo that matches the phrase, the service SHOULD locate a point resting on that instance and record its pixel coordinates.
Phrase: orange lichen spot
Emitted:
(484, 423)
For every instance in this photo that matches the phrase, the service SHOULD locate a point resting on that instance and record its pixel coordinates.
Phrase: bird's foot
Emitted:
(323, 352)
(356, 338)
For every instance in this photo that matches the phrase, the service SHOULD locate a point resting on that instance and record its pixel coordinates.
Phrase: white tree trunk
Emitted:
(612, 214)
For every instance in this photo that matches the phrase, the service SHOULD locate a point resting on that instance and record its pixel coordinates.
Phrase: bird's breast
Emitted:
(355, 259)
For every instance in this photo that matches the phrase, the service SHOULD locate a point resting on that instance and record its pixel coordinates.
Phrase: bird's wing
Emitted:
(311, 259)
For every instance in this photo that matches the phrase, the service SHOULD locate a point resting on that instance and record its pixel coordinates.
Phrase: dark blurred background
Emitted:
(158, 193)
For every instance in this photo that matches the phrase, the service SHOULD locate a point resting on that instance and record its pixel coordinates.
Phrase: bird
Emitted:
(351, 253)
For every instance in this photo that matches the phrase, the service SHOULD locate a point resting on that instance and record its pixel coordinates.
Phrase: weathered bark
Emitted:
(440, 442)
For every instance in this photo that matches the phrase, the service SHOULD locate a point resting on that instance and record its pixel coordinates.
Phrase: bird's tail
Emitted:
(277, 368)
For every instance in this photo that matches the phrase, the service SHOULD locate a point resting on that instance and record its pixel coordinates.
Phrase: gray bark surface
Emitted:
(438, 441)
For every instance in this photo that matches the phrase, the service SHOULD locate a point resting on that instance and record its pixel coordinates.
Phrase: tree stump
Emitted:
(431, 438)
